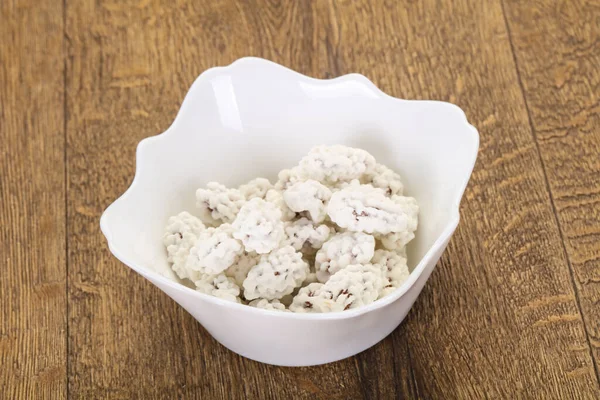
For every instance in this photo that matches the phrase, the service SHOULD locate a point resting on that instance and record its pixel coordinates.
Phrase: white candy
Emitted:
(309, 196)
(276, 197)
(265, 304)
(219, 286)
(288, 177)
(259, 226)
(396, 240)
(311, 299)
(336, 163)
(336, 187)
(394, 267)
(217, 203)
(276, 275)
(367, 209)
(342, 250)
(214, 251)
(409, 204)
(307, 242)
(181, 234)
(239, 270)
(384, 178)
(255, 188)
(304, 236)
(354, 286)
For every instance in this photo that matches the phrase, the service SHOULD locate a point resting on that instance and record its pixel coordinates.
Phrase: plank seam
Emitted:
(549, 190)
(66, 183)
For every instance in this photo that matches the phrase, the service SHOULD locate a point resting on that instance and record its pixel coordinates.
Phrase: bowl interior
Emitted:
(253, 119)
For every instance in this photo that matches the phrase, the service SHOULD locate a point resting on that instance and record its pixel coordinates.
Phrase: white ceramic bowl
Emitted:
(254, 118)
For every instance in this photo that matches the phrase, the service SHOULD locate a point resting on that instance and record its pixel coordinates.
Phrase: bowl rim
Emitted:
(415, 274)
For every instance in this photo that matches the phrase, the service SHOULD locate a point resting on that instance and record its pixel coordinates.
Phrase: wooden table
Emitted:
(511, 311)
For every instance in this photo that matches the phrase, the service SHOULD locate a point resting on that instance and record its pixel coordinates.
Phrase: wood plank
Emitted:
(129, 68)
(499, 317)
(32, 202)
(557, 47)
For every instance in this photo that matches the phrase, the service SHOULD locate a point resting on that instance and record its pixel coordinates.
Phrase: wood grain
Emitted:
(511, 310)
(33, 299)
(557, 48)
(505, 267)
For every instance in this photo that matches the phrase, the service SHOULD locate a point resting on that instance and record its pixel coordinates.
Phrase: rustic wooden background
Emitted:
(513, 308)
